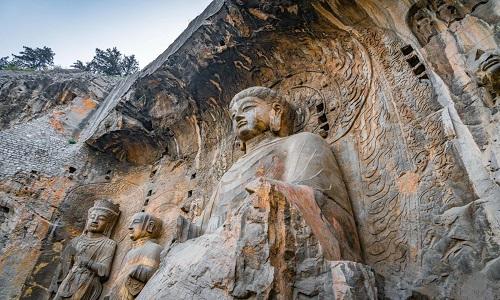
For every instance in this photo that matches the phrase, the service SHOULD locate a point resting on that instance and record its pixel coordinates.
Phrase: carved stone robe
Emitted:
(303, 159)
(248, 247)
(81, 282)
(145, 253)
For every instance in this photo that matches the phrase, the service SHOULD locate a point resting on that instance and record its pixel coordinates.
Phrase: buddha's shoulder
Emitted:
(109, 242)
(153, 245)
(306, 138)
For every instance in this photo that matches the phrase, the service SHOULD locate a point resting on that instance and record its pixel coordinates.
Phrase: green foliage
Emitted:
(82, 66)
(11, 65)
(35, 59)
(109, 62)
(129, 65)
(4, 61)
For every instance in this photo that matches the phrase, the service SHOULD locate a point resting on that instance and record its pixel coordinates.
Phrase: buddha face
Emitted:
(97, 221)
(251, 117)
(136, 228)
(423, 26)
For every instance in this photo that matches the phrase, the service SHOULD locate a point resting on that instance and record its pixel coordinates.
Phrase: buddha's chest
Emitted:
(269, 162)
(142, 255)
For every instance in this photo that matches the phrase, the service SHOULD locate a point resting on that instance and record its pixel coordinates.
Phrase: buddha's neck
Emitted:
(94, 235)
(141, 241)
(259, 140)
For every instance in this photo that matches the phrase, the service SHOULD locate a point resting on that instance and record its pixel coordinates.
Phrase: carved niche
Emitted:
(427, 18)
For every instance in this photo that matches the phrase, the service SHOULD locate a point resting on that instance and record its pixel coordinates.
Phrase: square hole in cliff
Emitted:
(407, 50)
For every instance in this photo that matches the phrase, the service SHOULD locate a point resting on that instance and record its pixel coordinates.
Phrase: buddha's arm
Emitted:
(304, 198)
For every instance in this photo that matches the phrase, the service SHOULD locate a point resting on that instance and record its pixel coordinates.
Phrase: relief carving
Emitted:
(86, 261)
(142, 260)
(447, 10)
(427, 18)
(484, 67)
(423, 24)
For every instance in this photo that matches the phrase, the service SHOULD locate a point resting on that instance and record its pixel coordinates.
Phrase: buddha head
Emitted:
(447, 10)
(102, 217)
(144, 225)
(257, 110)
(422, 24)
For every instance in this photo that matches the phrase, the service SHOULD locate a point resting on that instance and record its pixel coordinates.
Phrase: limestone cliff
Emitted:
(404, 92)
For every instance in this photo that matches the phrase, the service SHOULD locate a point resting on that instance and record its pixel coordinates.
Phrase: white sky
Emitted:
(74, 28)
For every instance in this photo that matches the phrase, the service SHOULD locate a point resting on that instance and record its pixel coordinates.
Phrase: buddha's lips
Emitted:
(241, 123)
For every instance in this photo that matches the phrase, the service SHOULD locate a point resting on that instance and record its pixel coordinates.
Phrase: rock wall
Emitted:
(405, 92)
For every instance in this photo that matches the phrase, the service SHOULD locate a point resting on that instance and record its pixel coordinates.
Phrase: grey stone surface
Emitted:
(414, 131)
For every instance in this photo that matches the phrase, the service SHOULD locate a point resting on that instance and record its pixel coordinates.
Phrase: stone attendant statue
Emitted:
(142, 260)
(301, 167)
(86, 261)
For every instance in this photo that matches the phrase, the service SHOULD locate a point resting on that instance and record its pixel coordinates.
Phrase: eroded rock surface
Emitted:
(402, 91)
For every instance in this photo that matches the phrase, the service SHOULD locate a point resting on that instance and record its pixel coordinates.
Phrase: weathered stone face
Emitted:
(388, 85)
(250, 118)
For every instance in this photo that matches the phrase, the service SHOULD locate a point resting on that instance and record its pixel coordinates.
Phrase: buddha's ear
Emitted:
(275, 117)
(151, 227)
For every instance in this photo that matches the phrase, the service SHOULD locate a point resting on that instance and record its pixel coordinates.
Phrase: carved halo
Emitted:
(329, 99)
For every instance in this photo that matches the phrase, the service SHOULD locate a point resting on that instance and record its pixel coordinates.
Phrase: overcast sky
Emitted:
(74, 28)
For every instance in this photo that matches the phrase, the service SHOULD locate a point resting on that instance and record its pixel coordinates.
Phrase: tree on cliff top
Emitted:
(35, 59)
(109, 62)
(4, 61)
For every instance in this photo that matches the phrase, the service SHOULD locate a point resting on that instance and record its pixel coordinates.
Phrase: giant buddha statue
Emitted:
(300, 166)
(286, 189)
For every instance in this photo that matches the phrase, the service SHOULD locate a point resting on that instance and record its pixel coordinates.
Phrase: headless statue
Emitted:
(86, 261)
(141, 261)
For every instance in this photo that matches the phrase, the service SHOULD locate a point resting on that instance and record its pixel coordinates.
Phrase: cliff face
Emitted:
(405, 93)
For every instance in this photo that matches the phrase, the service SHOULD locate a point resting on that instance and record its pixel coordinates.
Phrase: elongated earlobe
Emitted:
(151, 226)
(275, 118)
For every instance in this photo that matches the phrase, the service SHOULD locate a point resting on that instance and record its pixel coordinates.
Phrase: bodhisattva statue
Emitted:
(86, 261)
(301, 167)
(142, 260)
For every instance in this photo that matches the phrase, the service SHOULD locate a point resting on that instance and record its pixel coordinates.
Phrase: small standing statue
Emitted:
(86, 261)
(142, 260)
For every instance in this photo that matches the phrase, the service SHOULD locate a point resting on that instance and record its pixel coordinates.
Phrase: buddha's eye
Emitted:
(248, 107)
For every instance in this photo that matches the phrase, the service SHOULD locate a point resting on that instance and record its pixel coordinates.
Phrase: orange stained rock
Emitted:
(56, 123)
(86, 106)
(408, 183)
